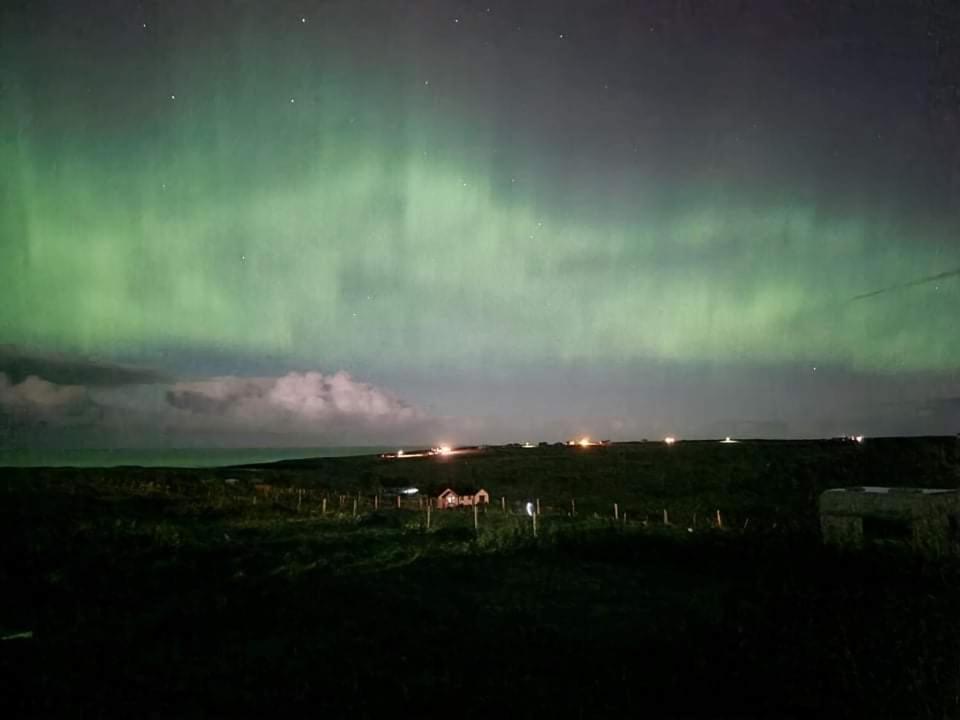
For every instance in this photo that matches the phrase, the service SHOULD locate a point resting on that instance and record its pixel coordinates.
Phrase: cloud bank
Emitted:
(298, 408)
(295, 402)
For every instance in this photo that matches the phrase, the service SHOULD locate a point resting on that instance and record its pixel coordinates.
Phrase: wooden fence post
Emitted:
(429, 505)
(616, 511)
(476, 526)
(376, 502)
(354, 507)
(398, 502)
(503, 503)
(323, 511)
(719, 521)
(535, 524)
(573, 507)
(538, 506)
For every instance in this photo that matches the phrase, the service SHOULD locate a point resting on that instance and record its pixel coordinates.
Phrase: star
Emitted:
(303, 20)
(173, 97)
(292, 101)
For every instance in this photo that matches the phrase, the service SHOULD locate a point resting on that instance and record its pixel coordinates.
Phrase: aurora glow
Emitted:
(407, 191)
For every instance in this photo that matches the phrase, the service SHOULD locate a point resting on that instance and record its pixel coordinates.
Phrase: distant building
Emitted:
(463, 496)
(926, 519)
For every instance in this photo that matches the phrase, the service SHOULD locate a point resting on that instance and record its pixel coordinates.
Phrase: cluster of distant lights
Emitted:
(445, 450)
(439, 450)
(587, 442)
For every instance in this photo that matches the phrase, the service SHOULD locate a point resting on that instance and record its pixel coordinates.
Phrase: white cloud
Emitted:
(302, 401)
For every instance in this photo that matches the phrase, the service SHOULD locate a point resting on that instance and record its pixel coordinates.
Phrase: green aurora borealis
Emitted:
(338, 206)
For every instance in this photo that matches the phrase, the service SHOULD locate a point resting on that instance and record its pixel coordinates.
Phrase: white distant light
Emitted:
(410, 491)
(528, 445)
(444, 450)
(585, 442)
(669, 439)
(858, 438)
(399, 453)
(530, 509)
(728, 441)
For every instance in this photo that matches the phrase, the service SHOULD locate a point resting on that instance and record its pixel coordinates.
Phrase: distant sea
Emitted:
(177, 457)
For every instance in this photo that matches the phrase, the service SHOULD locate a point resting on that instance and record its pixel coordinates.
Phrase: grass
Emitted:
(185, 599)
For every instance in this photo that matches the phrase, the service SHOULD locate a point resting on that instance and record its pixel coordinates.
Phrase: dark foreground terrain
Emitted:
(174, 593)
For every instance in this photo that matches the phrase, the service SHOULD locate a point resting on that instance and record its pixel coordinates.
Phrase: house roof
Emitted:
(461, 490)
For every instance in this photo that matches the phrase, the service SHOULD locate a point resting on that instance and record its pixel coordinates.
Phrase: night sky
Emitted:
(352, 222)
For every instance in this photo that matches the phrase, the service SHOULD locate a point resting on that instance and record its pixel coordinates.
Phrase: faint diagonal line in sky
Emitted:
(920, 281)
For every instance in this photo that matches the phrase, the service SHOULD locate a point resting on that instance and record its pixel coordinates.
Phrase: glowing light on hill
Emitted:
(669, 440)
(444, 450)
(728, 441)
(585, 442)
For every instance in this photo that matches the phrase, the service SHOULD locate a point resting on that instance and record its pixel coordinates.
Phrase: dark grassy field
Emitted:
(168, 593)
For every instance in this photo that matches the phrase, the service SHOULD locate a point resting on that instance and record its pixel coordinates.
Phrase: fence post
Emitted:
(573, 507)
(538, 506)
(323, 510)
(666, 518)
(719, 521)
(354, 507)
(429, 506)
(535, 524)
(476, 526)
(398, 502)
(503, 503)
(616, 511)
(376, 502)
